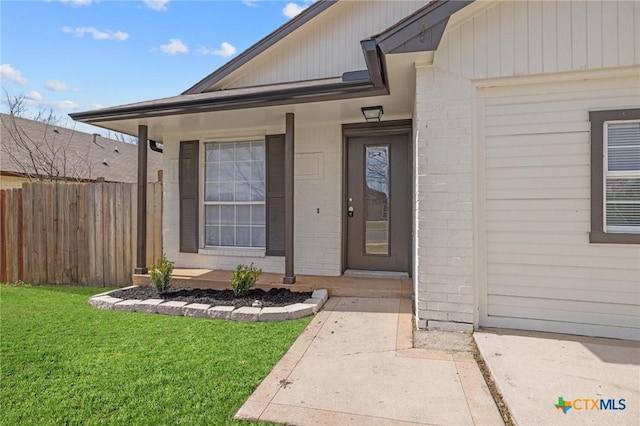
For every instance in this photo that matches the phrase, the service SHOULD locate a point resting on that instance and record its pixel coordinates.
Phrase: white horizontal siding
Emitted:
(327, 46)
(541, 271)
(517, 37)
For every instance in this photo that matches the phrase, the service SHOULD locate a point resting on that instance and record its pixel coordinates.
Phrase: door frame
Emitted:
(394, 127)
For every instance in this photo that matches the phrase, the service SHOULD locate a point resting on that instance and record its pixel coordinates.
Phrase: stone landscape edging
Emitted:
(309, 307)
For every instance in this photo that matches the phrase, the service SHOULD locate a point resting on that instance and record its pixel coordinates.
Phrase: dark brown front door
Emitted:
(378, 195)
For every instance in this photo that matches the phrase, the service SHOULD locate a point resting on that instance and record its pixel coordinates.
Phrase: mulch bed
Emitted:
(273, 297)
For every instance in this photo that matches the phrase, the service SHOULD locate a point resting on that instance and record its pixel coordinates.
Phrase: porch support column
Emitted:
(289, 276)
(141, 247)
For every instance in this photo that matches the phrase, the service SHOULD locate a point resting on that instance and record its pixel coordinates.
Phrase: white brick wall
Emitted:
(318, 200)
(444, 188)
(317, 209)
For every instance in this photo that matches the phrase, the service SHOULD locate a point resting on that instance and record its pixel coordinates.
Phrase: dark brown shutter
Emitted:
(275, 195)
(189, 183)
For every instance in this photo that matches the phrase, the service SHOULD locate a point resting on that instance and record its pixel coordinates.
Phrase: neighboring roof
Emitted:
(262, 45)
(84, 157)
(420, 31)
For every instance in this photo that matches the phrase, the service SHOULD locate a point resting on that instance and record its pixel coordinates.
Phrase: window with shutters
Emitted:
(615, 176)
(235, 194)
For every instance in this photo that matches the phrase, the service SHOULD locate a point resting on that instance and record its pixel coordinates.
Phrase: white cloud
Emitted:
(96, 34)
(250, 3)
(292, 9)
(34, 100)
(33, 95)
(157, 5)
(65, 105)
(78, 3)
(226, 50)
(174, 46)
(56, 86)
(9, 73)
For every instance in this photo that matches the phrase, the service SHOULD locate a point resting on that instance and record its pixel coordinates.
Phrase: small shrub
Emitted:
(244, 278)
(161, 274)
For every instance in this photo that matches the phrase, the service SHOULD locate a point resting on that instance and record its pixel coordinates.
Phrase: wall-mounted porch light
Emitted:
(372, 114)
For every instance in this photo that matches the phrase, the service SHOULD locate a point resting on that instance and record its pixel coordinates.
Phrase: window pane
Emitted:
(257, 191)
(257, 236)
(227, 172)
(257, 151)
(257, 215)
(212, 236)
(243, 151)
(212, 215)
(227, 215)
(243, 236)
(226, 191)
(227, 236)
(243, 171)
(623, 146)
(211, 171)
(623, 202)
(257, 170)
(212, 151)
(212, 192)
(243, 215)
(243, 192)
(377, 200)
(227, 151)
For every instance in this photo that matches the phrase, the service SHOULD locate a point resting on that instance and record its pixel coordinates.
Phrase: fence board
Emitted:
(75, 233)
(134, 225)
(81, 235)
(3, 236)
(111, 235)
(91, 235)
(127, 233)
(99, 237)
(72, 232)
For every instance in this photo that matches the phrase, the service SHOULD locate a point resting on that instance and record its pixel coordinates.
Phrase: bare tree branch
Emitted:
(45, 155)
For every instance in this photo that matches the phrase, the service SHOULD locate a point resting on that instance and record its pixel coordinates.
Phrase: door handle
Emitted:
(350, 211)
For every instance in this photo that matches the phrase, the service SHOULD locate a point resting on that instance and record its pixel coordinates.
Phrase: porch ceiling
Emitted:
(398, 104)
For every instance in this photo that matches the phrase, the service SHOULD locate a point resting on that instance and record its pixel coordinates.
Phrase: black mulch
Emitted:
(273, 297)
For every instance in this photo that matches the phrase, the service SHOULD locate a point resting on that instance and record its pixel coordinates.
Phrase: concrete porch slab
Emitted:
(394, 285)
(354, 364)
(532, 370)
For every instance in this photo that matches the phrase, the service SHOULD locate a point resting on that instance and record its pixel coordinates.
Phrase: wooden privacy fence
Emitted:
(75, 233)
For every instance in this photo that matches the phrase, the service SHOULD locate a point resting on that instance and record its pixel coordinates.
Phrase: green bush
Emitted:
(161, 275)
(244, 278)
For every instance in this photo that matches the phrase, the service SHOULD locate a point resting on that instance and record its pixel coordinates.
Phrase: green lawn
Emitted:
(63, 362)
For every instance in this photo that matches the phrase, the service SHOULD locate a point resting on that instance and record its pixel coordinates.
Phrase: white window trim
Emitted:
(607, 174)
(225, 250)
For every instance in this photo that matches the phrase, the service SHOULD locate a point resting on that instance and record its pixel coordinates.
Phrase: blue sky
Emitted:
(74, 55)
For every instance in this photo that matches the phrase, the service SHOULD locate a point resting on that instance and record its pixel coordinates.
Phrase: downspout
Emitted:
(154, 146)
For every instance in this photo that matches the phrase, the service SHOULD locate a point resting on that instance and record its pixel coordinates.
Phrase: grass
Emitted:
(63, 362)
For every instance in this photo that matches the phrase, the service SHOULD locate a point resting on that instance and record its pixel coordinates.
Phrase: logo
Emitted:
(563, 405)
(586, 404)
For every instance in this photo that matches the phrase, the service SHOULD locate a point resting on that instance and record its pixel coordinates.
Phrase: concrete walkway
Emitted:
(355, 365)
(532, 370)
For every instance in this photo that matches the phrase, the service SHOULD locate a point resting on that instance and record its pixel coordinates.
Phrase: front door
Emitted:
(378, 193)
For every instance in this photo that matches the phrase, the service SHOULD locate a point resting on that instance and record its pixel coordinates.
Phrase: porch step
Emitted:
(346, 286)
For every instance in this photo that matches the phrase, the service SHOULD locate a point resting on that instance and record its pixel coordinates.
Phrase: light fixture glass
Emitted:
(373, 113)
